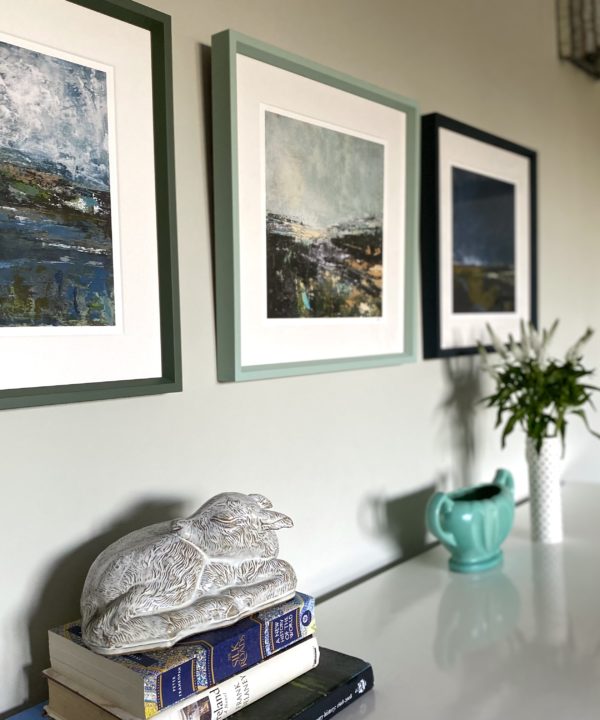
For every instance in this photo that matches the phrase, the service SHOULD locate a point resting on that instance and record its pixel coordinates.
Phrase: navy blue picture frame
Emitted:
(430, 227)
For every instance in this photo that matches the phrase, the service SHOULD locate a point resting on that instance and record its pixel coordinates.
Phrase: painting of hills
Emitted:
(56, 241)
(483, 243)
(324, 221)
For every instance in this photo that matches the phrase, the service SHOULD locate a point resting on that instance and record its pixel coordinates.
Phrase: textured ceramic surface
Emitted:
(164, 582)
(473, 522)
(545, 498)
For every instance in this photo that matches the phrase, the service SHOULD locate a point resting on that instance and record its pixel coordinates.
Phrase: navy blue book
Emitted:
(145, 683)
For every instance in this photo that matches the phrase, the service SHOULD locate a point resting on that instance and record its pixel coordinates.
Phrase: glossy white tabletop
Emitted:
(517, 642)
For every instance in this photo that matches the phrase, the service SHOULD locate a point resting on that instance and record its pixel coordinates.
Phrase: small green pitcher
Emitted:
(473, 522)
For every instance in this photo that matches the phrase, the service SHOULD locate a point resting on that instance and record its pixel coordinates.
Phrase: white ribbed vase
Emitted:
(545, 499)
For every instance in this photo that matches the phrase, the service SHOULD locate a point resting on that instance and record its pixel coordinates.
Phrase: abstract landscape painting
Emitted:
(483, 243)
(56, 243)
(324, 221)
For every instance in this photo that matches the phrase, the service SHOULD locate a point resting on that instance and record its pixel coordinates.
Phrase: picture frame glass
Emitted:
(80, 287)
(485, 258)
(318, 216)
(303, 165)
(478, 236)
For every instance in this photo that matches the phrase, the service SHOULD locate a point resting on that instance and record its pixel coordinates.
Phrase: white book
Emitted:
(222, 700)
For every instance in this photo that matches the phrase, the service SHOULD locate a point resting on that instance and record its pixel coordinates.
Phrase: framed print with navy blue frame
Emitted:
(316, 211)
(478, 236)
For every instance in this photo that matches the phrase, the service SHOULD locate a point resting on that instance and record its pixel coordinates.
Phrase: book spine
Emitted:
(220, 658)
(336, 700)
(236, 692)
(64, 703)
(197, 663)
(264, 635)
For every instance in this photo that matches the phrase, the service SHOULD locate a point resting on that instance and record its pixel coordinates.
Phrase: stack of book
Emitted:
(273, 655)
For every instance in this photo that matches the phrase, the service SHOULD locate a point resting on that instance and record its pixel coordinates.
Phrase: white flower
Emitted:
(486, 365)
(536, 344)
(574, 352)
(524, 340)
(518, 350)
(497, 343)
(547, 336)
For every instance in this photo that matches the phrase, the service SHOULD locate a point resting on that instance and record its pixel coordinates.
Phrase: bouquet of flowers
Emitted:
(534, 390)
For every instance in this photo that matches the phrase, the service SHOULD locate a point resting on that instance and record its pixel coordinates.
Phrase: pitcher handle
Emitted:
(504, 479)
(437, 503)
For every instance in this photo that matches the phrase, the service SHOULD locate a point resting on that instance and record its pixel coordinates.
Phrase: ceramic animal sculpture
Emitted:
(166, 581)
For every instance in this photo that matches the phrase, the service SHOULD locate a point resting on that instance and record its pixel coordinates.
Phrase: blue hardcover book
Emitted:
(145, 683)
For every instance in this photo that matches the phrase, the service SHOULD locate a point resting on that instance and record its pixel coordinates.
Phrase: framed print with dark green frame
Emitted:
(478, 236)
(316, 199)
(88, 259)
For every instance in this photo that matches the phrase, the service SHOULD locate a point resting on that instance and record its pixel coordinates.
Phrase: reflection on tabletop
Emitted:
(504, 667)
(477, 612)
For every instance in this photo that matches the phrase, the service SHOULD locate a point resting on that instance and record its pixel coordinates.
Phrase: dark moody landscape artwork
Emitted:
(483, 243)
(324, 207)
(56, 246)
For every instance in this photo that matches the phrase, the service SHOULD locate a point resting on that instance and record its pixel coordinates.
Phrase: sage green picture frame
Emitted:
(226, 47)
(158, 27)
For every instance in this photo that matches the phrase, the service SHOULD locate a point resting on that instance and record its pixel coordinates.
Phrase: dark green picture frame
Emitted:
(158, 26)
(226, 46)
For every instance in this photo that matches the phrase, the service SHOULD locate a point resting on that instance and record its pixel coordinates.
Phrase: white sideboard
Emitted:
(520, 642)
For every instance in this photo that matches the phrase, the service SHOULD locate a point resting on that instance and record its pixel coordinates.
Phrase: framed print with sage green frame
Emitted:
(478, 236)
(316, 199)
(88, 262)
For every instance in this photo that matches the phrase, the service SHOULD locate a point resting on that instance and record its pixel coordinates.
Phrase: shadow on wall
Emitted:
(58, 601)
(459, 410)
(402, 521)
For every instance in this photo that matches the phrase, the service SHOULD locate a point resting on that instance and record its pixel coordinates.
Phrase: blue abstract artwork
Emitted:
(483, 243)
(56, 241)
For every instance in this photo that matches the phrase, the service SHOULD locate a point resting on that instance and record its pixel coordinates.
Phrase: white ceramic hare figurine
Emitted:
(164, 582)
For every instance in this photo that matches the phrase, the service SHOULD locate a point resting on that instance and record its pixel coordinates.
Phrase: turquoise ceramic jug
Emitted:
(473, 522)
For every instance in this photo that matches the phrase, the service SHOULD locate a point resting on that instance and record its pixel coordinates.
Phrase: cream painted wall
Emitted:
(341, 452)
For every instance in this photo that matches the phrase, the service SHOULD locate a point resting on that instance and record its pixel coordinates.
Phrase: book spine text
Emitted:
(236, 692)
(328, 706)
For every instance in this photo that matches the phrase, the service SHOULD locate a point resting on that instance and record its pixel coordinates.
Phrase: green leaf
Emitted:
(535, 392)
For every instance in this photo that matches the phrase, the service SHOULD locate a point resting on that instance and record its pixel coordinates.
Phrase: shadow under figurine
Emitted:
(164, 582)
